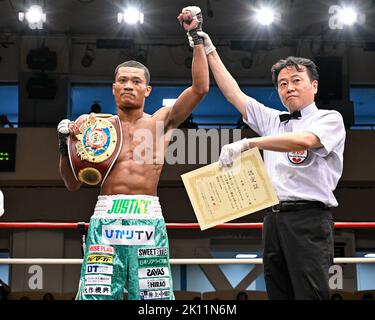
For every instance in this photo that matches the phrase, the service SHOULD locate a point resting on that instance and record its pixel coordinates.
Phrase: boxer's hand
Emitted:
(208, 46)
(63, 126)
(230, 151)
(191, 19)
(68, 127)
(64, 129)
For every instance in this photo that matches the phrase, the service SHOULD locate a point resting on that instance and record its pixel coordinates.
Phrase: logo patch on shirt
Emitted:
(298, 157)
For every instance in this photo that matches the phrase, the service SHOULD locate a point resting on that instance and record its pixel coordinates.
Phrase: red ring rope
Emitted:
(257, 225)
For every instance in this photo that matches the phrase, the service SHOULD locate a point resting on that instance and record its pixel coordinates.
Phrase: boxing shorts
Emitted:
(127, 242)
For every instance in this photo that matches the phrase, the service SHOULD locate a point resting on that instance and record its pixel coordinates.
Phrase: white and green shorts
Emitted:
(127, 242)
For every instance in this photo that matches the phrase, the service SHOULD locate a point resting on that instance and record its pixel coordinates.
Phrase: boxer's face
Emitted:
(295, 88)
(130, 88)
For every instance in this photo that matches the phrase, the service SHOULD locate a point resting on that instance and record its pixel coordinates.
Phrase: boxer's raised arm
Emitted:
(191, 20)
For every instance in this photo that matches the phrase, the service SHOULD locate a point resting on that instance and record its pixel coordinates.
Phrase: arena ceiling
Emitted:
(226, 19)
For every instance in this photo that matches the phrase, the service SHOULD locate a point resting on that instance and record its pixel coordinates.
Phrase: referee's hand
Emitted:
(231, 151)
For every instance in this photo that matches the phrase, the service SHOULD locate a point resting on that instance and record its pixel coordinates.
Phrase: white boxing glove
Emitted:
(63, 126)
(63, 134)
(208, 45)
(191, 19)
(230, 151)
(195, 11)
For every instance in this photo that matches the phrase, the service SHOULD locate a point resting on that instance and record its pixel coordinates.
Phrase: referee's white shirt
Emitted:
(311, 175)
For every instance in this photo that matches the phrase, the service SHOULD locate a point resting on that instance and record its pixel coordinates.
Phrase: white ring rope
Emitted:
(172, 261)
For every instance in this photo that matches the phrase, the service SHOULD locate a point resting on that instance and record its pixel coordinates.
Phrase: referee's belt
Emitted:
(297, 205)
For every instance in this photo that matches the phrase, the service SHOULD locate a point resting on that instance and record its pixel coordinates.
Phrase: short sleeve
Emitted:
(330, 130)
(259, 117)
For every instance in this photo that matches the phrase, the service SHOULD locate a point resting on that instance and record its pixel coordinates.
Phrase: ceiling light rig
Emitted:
(34, 17)
(266, 16)
(131, 16)
(341, 16)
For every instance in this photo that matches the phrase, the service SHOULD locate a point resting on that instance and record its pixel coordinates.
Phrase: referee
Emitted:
(303, 154)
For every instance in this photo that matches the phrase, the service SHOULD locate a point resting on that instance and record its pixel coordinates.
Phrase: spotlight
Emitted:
(247, 62)
(341, 16)
(130, 16)
(348, 16)
(87, 61)
(265, 16)
(42, 59)
(34, 17)
(88, 57)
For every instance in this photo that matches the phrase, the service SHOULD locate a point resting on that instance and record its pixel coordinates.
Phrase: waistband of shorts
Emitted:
(120, 206)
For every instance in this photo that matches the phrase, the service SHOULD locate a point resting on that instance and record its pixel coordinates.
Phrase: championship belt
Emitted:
(93, 152)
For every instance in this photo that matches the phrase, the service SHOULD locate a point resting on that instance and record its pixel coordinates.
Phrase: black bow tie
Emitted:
(288, 116)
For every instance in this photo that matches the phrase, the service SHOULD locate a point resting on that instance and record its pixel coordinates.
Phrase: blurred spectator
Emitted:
(189, 123)
(96, 108)
(48, 296)
(242, 296)
(4, 122)
(4, 290)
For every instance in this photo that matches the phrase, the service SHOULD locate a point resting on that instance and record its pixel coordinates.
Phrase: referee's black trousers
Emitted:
(298, 252)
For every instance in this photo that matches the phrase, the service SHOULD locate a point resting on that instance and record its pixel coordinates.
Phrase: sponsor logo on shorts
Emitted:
(153, 262)
(98, 279)
(128, 235)
(129, 206)
(153, 272)
(161, 283)
(99, 268)
(152, 252)
(98, 290)
(97, 248)
(158, 294)
(99, 258)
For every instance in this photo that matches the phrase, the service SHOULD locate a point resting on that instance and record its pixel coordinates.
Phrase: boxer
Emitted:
(127, 238)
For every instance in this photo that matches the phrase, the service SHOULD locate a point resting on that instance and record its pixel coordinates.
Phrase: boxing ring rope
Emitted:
(182, 225)
(257, 225)
(174, 261)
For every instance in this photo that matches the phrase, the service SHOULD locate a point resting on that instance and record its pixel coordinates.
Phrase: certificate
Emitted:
(219, 194)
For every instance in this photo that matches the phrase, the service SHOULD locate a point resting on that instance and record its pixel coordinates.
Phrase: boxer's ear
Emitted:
(148, 91)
